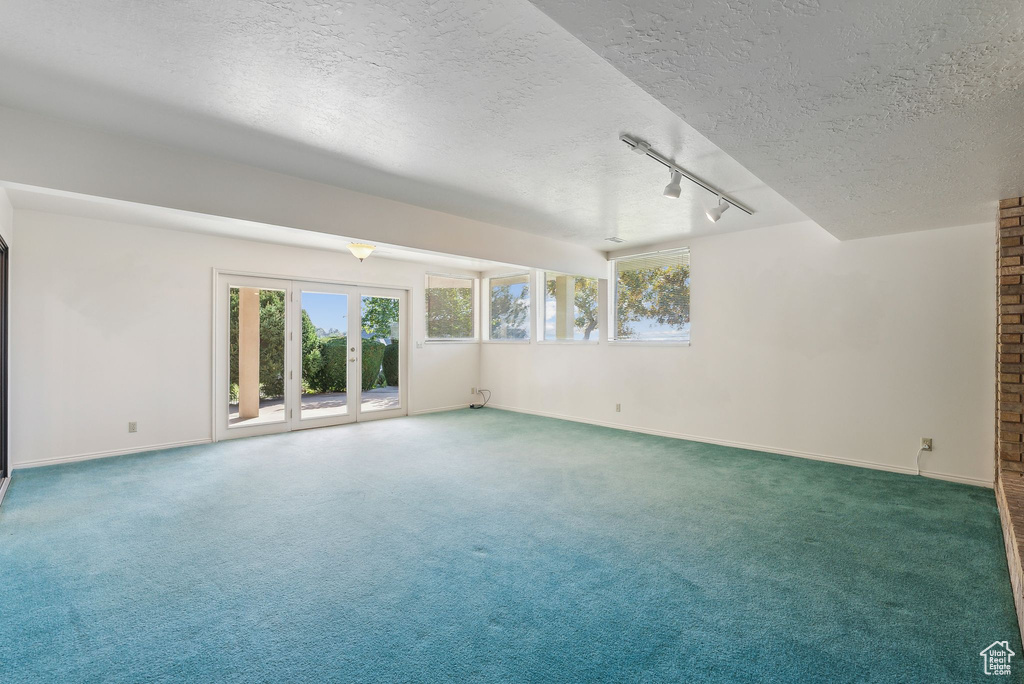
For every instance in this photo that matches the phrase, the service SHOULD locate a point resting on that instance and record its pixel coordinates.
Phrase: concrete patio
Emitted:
(318, 406)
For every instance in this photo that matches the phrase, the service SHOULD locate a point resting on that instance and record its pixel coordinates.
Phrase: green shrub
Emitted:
(312, 361)
(391, 363)
(333, 372)
(373, 356)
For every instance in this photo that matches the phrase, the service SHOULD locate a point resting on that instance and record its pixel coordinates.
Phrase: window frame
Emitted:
(613, 302)
(542, 323)
(475, 280)
(486, 294)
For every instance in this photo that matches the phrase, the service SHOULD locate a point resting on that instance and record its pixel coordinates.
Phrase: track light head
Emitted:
(715, 212)
(672, 189)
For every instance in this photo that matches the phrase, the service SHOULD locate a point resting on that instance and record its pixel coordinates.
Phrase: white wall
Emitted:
(850, 351)
(802, 344)
(113, 323)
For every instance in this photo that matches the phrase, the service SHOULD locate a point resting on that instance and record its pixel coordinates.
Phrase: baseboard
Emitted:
(105, 454)
(439, 409)
(754, 447)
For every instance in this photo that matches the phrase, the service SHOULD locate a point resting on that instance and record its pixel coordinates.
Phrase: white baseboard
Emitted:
(754, 447)
(439, 409)
(104, 454)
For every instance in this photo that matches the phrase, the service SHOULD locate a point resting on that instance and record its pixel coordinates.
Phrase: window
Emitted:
(570, 307)
(510, 307)
(450, 314)
(652, 297)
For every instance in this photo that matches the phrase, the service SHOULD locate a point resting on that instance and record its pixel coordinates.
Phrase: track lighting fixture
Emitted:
(715, 212)
(360, 251)
(672, 189)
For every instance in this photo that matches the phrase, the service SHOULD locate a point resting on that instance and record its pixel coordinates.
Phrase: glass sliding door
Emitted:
(382, 365)
(291, 355)
(328, 333)
(4, 341)
(253, 392)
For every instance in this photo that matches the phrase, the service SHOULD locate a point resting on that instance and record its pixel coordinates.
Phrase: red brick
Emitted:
(1009, 202)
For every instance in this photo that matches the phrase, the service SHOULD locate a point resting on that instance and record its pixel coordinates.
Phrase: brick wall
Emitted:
(1010, 393)
(1010, 354)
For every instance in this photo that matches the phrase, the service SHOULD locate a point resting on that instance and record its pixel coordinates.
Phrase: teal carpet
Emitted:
(490, 546)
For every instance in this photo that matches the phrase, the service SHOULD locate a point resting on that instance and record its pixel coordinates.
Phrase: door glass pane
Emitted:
(381, 357)
(256, 356)
(324, 355)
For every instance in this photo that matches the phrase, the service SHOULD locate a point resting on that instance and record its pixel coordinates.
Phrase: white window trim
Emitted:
(485, 294)
(613, 287)
(475, 339)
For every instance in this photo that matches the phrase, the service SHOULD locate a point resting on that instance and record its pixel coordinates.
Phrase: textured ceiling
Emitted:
(873, 116)
(488, 110)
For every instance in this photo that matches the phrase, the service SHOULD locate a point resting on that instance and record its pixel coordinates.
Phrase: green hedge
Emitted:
(333, 375)
(391, 363)
(373, 356)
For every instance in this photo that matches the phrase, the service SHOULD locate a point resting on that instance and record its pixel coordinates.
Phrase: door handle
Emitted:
(352, 360)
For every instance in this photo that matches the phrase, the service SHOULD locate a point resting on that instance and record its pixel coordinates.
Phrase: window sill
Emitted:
(453, 341)
(642, 343)
(577, 343)
(506, 341)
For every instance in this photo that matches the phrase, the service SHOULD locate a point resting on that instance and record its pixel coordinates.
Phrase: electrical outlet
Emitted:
(618, 408)
(472, 390)
(926, 444)
(133, 426)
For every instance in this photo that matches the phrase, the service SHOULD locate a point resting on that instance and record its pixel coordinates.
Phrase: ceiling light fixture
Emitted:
(715, 212)
(672, 189)
(360, 250)
(678, 173)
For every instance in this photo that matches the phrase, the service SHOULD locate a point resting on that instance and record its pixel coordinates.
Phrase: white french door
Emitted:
(294, 354)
